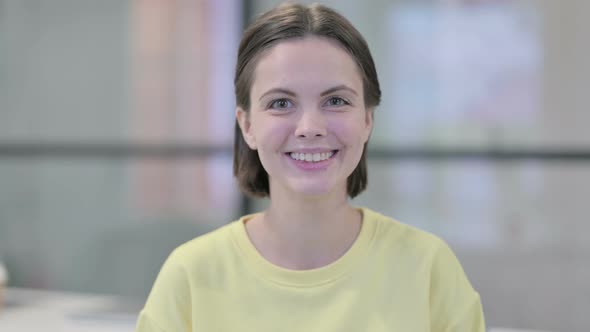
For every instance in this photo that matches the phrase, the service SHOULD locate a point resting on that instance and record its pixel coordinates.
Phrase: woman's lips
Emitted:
(313, 165)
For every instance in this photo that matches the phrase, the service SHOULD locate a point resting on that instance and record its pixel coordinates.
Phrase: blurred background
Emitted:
(116, 128)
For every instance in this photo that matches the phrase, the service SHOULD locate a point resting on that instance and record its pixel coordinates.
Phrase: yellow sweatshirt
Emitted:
(393, 278)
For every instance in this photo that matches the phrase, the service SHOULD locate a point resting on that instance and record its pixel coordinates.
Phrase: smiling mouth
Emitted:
(312, 157)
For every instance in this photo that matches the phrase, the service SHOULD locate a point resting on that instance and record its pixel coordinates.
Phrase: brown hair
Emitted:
(284, 22)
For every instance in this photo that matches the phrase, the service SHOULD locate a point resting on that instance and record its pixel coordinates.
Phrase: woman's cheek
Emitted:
(348, 133)
(276, 133)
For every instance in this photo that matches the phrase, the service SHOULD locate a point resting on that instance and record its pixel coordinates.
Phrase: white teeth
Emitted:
(311, 157)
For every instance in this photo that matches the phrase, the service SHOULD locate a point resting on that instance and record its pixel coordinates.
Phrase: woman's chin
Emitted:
(313, 189)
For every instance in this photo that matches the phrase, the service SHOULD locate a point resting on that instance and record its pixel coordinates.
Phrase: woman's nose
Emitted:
(311, 123)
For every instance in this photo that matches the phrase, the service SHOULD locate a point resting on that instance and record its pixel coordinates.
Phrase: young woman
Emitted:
(306, 89)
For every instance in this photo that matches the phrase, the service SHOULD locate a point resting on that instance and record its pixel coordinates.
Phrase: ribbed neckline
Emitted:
(305, 278)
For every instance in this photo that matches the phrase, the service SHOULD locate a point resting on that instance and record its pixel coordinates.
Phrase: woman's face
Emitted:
(307, 119)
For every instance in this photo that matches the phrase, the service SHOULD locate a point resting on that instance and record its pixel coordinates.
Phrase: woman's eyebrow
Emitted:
(337, 88)
(278, 90)
(293, 94)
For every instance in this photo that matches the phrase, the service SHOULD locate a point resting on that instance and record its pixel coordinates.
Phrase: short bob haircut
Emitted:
(289, 21)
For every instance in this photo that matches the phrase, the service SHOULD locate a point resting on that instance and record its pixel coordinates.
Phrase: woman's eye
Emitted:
(280, 104)
(337, 101)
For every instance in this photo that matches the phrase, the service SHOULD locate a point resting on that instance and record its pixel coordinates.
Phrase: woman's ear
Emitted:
(243, 118)
(368, 123)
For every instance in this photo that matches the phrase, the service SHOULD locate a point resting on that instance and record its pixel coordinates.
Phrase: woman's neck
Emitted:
(305, 234)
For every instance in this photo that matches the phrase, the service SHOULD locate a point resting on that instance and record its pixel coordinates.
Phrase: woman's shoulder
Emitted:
(205, 244)
(412, 245)
(394, 233)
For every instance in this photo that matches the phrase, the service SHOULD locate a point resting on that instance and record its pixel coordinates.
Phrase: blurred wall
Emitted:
(566, 74)
(70, 74)
(64, 60)
(63, 78)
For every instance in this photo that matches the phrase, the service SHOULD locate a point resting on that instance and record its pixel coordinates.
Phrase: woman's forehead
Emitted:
(310, 62)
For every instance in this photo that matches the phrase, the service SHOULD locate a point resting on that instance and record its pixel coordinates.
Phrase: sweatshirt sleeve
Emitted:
(168, 307)
(454, 305)
(146, 324)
